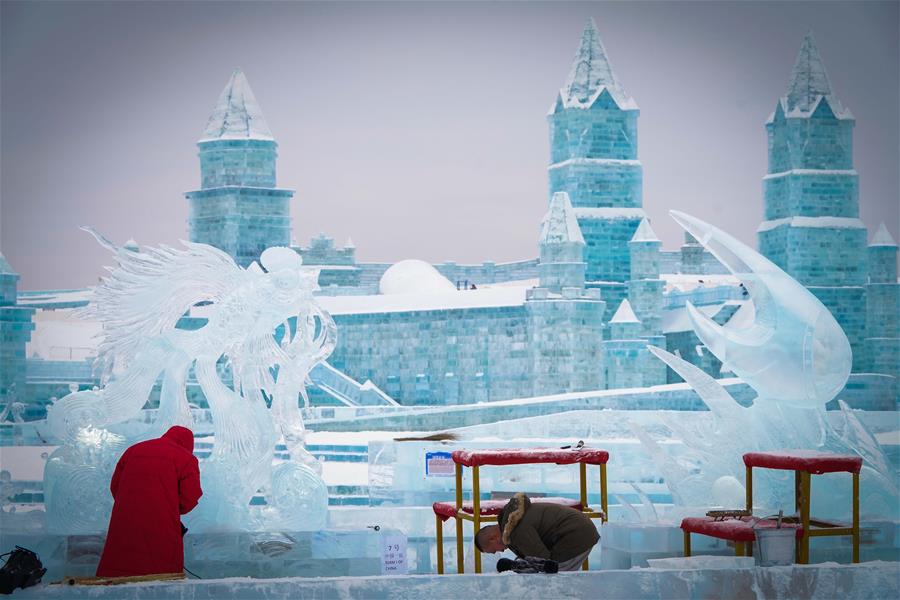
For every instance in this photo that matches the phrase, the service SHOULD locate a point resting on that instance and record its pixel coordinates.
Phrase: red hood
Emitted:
(182, 436)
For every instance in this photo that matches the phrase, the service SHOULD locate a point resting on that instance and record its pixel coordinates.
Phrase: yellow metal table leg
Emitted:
(603, 503)
(749, 506)
(805, 489)
(439, 527)
(750, 489)
(798, 494)
(582, 483)
(476, 515)
(460, 557)
(739, 549)
(582, 498)
(856, 517)
(687, 543)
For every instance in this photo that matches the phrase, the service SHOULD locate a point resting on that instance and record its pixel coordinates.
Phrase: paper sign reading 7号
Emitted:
(393, 555)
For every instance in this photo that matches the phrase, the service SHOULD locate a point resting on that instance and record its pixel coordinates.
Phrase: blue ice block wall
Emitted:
(565, 341)
(476, 354)
(883, 311)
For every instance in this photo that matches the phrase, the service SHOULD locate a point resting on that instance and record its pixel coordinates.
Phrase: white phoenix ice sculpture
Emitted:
(263, 325)
(797, 358)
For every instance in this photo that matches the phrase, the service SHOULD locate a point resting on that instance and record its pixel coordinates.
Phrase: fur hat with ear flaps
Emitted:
(512, 514)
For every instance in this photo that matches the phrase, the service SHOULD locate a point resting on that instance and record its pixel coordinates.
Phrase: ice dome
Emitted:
(413, 277)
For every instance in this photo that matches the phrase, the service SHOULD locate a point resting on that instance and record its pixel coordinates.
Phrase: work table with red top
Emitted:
(806, 463)
(480, 512)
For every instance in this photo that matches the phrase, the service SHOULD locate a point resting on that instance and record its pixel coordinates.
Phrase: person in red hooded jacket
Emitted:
(155, 482)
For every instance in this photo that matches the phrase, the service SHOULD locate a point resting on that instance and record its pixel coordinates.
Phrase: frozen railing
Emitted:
(346, 389)
(701, 296)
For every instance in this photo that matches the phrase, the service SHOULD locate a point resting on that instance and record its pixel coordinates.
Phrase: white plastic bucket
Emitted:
(775, 547)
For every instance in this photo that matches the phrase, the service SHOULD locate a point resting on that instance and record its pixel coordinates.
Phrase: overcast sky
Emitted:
(417, 129)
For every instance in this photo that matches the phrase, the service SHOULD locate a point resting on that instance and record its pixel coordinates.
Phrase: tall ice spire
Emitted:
(591, 71)
(239, 208)
(237, 114)
(809, 81)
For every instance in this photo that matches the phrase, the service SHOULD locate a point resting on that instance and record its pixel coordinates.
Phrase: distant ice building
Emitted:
(812, 228)
(579, 316)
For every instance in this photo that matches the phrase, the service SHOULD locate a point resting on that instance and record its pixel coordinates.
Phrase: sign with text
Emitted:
(393, 555)
(439, 464)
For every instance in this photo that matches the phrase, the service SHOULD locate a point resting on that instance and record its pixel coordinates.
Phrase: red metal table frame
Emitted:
(805, 464)
(519, 456)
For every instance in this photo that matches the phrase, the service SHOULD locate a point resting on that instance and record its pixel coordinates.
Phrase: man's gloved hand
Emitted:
(529, 564)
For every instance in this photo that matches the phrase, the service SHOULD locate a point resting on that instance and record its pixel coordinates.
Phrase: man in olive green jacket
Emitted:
(542, 530)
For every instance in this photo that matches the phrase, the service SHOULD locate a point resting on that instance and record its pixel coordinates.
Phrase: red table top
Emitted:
(736, 530)
(804, 460)
(447, 510)
(525, 456)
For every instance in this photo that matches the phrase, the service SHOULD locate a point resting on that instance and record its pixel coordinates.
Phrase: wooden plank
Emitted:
(119, 580)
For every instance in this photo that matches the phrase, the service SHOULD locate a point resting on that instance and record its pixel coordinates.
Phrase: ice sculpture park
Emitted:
(327, 395)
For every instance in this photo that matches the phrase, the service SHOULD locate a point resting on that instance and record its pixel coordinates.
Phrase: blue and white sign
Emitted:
(439, 464)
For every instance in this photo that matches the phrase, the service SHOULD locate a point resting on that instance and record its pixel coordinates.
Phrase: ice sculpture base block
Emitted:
(260, 555)
(628, 545)
(867, 580)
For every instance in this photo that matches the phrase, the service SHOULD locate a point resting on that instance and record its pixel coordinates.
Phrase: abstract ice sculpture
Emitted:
(797, 358)
(263, 326)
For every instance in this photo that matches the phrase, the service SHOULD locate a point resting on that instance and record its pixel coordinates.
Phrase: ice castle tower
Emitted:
(238, 208)
(593, 158)
(16, 325)
(561, 247)
(883, 306)
(812, 228)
